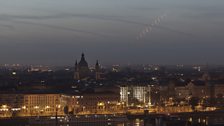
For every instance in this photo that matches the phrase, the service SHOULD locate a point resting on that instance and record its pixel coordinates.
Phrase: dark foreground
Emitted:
(180, 119)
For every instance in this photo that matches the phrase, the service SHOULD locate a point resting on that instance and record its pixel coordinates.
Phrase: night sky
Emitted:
(56, 32)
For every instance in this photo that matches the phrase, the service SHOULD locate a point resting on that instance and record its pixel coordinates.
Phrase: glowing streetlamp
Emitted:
(56, 114)
(4, 108)
(47, 107)
(101, 106)
(23, 107)
(36, 108)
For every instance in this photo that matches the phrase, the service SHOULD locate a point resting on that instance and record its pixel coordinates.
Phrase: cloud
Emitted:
(63, 28)
(6, 26)
(18, 18)
(68, 15)
(175, 31)
(14, 19)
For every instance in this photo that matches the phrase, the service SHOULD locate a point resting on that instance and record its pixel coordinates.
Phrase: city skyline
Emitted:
(124, 32)
(92, 64)
(111, 62)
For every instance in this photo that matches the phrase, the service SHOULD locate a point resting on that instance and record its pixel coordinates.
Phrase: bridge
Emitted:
(184, 118)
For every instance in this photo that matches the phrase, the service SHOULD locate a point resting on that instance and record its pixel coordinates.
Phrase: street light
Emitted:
(4, 108)
(47, 107)
(24, 111)
(23, 107)
(36, 108)
(56, 114)
(83, 109)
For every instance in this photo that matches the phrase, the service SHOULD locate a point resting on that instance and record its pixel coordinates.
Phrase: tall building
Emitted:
(81, 69)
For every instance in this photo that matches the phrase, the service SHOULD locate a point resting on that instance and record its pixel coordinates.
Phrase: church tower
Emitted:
(97, 70)
(81, 69)
(76, 74)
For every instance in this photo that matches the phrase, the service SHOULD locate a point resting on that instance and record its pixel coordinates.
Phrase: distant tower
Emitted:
(76, 74)
(83, 67)
(97, 70)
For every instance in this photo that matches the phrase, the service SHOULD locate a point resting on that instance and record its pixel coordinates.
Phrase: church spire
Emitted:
(76, 65)
(76, 74)
(83, 57)
(97, 70)
(83, 68)
(97, 63)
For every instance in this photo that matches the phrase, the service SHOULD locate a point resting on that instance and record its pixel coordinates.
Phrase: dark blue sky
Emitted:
(56, 32)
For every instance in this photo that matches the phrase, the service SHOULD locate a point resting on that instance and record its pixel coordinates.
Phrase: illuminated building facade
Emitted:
(199, 89)
(34, 104)
(98, 102)
(182, 92)
(135, 95)
(42, 104)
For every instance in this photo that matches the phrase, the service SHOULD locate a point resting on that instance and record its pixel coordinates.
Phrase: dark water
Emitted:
(125, 123)
(102, 124)
(25, 122)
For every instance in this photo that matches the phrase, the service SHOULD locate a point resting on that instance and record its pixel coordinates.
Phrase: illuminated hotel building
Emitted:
(98, 102)
(42, 104)
(135, 95)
